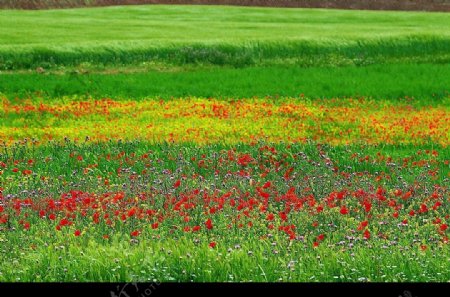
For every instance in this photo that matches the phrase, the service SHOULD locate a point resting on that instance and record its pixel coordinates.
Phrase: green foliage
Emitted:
(378, 81)
(179, 35)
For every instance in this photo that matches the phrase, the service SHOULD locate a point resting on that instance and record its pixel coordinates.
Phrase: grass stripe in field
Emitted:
(218, 35)
(429, 84)
(205, 121)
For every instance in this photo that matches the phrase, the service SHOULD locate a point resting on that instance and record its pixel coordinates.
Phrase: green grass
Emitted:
(428, 83)
(219, 35)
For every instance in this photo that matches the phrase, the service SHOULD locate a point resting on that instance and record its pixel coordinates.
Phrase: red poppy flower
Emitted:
(264, 194)
(320, 237)
(208, 224)
(315, 244)
(155, 225)
(135, 233)
(363, 225)
(244, 160)
(407, 195)
(270, 217)
(1, 209)
(27, 172)
(367, 206)
(52, 217)
(398, 192)
(266, 185)
(177, 184)
(26, 226)
(212, 244)
(196, 228)
(77, 233)
(283, 216)
(131, 212)
(64, 222)
(344, 210)
(443, 227)
(367, 234)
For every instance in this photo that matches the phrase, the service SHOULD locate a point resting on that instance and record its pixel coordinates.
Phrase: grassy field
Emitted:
(233, 36)
(180, 143)
(424, 84)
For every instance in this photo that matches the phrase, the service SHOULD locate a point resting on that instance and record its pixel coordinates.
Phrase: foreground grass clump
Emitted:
(180, 35)
(262, 212)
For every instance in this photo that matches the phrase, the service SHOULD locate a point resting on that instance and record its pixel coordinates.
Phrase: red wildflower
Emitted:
(367, 206)
(208, 224)
(155, 225)
(27, 172)
(135, 233)
(437, 221)
(398, 192)
(196, 228)
(264, 194)
(77, 233)
(244, 160)
(283, 216)
(270, 217)
(26, 226)
(320, 237)
(52, 217)
(344, 210)
(212, 244)
(363, 225)
(3, 219)
(423, 208)
(315, 244)
(131, 212)
(64, 222)
(367, 234)
(443, 227)
(177, 184)
(407, 195)
(266, 185)
(319, 208)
